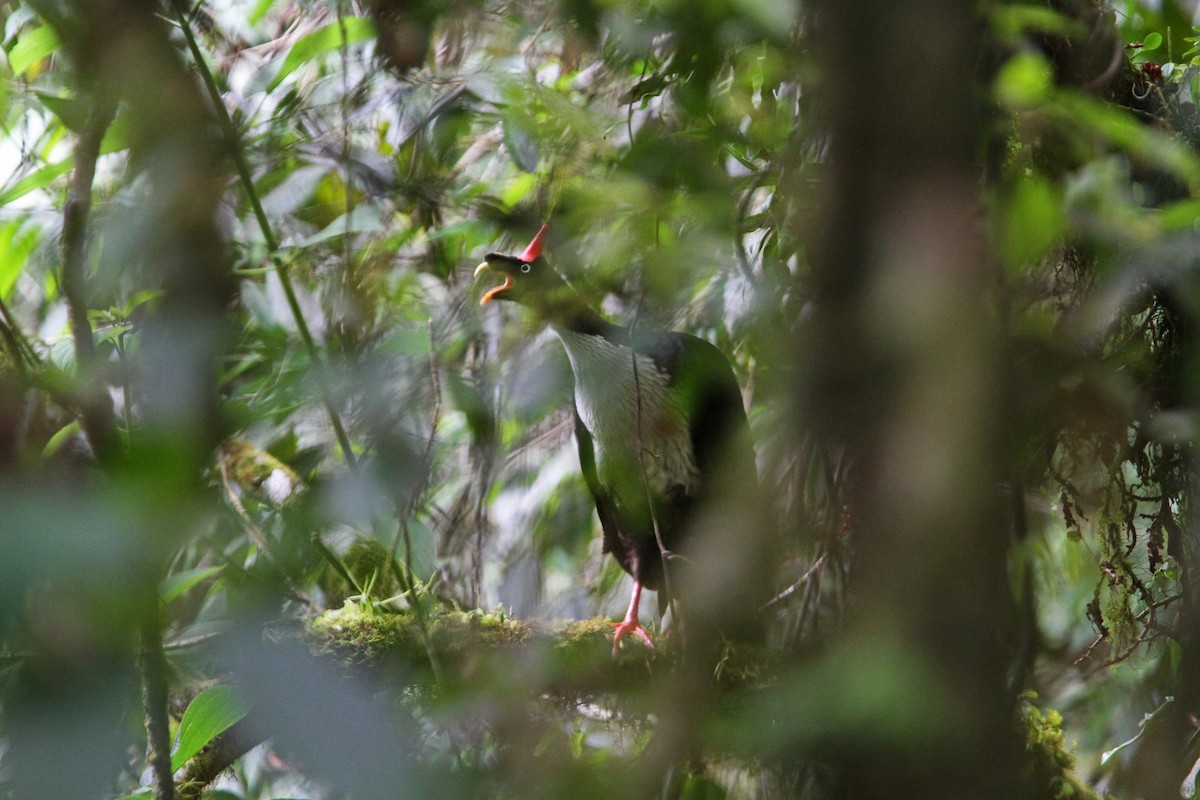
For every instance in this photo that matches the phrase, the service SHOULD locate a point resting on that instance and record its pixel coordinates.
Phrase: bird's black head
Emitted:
(528, 280)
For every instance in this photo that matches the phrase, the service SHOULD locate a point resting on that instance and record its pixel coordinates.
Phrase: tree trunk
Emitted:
(904, 366)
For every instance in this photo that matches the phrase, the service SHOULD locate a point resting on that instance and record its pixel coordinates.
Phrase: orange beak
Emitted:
(490, 295)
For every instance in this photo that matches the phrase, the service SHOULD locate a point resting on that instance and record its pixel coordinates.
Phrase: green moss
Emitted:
(571, 657)
(1049, 767)
(362, 634)
(365, 635)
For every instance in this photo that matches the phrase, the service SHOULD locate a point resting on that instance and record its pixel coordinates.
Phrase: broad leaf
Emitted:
(210, 714)
(32, 48)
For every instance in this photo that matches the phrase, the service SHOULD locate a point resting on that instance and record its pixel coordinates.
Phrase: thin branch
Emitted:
(789, 591)
(191, 641)
(152, 664)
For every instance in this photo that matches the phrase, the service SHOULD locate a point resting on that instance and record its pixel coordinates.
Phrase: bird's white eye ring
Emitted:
(525, 268)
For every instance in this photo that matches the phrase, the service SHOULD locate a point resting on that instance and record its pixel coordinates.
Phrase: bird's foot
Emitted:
(629, 626)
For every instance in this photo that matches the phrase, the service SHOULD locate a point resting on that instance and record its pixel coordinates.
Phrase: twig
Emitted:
(152, 664)
(789, 591)
(1137, 641)
(191, 641)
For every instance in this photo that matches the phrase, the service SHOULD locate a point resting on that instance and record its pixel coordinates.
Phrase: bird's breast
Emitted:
(625, 401)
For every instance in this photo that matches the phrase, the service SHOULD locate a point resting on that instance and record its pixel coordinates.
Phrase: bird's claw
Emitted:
(629, 626)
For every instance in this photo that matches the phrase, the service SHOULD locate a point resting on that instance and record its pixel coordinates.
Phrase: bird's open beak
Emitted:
(491, 294)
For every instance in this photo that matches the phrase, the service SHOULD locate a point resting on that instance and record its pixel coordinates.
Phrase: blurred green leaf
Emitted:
(70, 110)
(210, 714)
(17, 241)
(1014, 19)
(260, 9)
(39, 179)
(1128, 133)
(179, 584)
(1024, 81)
(32, 47)
(363, 219)
(1032, 221)
(61, 437)
(321, 41)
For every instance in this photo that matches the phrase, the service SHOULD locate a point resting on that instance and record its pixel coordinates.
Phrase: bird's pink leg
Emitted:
(630, 624)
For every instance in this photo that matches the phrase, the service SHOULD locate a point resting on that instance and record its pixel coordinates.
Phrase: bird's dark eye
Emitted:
(525, 268)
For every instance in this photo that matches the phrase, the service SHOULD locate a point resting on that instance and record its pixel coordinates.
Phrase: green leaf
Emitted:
(323, 40)
(211, 713)
(61, 437)
(119, 135)
(1180, 214)
(1017, 19)
(1032, 220)
(62, 354)
(15, 247)
(69, 110)
(181, 583)
(36, 180)
(32, 48)
(519, 189)
(362, 219)
(1024, 81)
(1152, 41)
(1125, 131)
(259, 11)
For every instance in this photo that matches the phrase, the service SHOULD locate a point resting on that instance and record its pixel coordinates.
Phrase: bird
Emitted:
(659, 423)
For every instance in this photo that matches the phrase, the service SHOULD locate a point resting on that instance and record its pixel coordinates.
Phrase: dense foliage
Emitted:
(284, 511)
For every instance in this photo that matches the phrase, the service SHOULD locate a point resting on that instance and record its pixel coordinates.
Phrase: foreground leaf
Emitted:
(210, 714)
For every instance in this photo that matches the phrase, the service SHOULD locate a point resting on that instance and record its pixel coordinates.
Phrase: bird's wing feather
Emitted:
(605, 508)
(718, 426)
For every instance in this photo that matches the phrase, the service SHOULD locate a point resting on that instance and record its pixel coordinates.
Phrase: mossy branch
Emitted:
(218, 756)
(574, 657)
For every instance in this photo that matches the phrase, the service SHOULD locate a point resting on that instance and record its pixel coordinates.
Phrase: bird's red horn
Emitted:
(535, 247)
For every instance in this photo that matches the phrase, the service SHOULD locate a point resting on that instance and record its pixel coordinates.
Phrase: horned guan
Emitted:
(658, 420)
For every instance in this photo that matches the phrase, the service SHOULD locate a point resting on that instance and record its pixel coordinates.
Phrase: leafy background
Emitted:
(295, 416)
